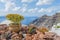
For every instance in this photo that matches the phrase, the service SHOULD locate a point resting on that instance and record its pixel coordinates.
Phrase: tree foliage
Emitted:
(57, 26)
(32, 30)
(15, 17)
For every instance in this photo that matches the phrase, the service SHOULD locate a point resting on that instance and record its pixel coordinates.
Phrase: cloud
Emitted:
(49, 9)
(16, 8)
(26, 0)
(45, 10)
(42, 10)
(4, 1)
(9, 5)
(22, 10)
(44, 2)
(39, 12)
(24, 5)
(33, 10)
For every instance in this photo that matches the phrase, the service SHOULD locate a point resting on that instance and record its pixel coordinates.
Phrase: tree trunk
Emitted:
(15, 27)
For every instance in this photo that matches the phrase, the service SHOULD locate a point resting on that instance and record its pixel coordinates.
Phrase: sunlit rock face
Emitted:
(56, 30)
(47, 21)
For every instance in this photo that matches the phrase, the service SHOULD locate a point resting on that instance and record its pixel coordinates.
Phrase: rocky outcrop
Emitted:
(47, 21)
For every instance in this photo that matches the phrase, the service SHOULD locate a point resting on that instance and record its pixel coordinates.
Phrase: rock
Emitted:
(47, 21)
(50, 34)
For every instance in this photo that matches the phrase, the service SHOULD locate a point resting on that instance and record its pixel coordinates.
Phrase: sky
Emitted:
(29, 7)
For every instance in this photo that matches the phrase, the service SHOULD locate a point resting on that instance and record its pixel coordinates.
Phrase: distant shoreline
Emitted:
(26, 20)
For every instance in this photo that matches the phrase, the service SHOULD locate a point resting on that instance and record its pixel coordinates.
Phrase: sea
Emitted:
(26, 21)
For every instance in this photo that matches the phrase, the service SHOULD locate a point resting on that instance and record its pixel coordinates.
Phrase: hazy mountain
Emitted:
(47, 21)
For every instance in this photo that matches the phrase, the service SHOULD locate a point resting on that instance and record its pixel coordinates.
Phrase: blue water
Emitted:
(26, 21)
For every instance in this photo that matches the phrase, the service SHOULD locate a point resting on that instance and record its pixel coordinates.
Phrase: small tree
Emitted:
(16, 18)
(32, 29)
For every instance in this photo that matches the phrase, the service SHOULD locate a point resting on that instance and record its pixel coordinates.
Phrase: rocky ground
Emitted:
(24, 34)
